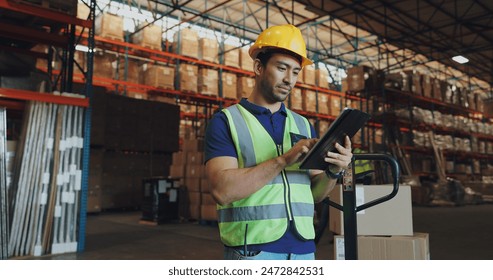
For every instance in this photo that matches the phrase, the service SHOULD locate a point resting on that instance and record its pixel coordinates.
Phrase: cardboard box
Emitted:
(177, 170)
(149, 36)
(246, 62)
(192, 184)
(207, 199)
(231, 56)
(323, 103)
(244, 87)
(310, 101)
(208, 50)
(193, 145)
(194, 205)
(296, 99)
(415, 247)
(229, 85)
(109, 26)
(427, 85)
(82, 13)
(335, 105)
(194, 171)
(94, 200)
(208, 81)
(103, 65)
(393, 217)
(205, 185)
(321, 77)
(186, 42)
(360, 78)
(323, 126)
(128, 70)
(415, 82)
(188, 77)
(194, 197)
(309, 75)
(195, 157)
(179, 158)
(208, 212)
(159, 76)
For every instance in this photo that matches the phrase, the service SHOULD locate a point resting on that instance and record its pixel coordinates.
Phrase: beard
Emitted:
(271, 95)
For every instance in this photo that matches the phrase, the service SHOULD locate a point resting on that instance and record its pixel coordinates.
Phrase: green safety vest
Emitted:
(288, 196)
(361, 166)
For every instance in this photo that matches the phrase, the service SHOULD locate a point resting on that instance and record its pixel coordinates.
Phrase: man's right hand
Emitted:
(298, 151)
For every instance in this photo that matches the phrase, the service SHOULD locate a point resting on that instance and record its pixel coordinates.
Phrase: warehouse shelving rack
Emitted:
(126, 48)
(64, 39)
(473, 160)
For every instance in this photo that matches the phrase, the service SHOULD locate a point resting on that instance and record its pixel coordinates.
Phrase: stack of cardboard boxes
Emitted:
(246, 62)
(385, 231)
(109, 26)
(186, 42)
(159, 76)
(229, 83)
(188, 167)
(244, 87)
(209, 50)
(231, 56)
(149, 36)
(208, 81)
(130, 140)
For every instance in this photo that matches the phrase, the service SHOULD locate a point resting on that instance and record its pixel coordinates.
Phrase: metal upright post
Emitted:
(349, 209)
(87, 130)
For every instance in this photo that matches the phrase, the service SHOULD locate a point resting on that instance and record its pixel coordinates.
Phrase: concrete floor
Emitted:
(456, 233)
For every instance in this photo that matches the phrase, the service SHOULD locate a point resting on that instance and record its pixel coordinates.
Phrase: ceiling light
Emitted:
(460, 59)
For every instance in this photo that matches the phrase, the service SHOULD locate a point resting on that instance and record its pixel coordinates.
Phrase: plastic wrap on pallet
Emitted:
(403, 113)
(437, 118)
(420, 139)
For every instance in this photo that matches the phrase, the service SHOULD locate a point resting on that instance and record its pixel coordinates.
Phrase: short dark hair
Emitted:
(265, 55)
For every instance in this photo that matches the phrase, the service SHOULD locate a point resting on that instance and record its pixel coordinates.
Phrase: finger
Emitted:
(347, 143)
(343, 150)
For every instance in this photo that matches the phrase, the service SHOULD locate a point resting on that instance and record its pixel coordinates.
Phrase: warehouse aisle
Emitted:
(455, 233)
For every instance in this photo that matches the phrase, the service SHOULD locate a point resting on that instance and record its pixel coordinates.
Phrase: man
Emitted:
(253, 150)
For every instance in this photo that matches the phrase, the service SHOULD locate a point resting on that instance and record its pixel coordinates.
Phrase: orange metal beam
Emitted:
(44, 13)
(43, 97)
(12, 104)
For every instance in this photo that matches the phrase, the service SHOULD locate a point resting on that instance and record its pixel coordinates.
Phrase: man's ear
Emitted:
(257, 67)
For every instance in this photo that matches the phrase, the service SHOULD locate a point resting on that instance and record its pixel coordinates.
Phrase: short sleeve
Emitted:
(218, 140)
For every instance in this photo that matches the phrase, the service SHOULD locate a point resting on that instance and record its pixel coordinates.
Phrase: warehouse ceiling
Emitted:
(438, 30)
(421, 35)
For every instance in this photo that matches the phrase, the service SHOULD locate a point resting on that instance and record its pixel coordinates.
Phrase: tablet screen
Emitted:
(347, 123)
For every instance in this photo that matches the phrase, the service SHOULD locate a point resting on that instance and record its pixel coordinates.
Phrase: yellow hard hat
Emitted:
(287, 37)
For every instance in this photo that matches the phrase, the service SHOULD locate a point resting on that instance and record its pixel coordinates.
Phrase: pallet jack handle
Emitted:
(349, 207)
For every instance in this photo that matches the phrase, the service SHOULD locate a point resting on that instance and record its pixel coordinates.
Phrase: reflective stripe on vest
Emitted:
(288, 196)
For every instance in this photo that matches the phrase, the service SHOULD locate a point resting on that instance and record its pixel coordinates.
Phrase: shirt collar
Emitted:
(259, 110)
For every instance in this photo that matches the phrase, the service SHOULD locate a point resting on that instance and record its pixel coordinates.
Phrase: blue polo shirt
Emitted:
(220, 143)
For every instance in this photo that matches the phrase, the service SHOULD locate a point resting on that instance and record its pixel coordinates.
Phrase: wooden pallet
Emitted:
(150, 46)
(112, 37)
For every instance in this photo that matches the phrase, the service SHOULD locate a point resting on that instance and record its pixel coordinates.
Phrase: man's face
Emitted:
(278, 77)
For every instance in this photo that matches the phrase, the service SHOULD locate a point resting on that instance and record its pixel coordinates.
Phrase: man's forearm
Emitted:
(233, 184)
(322, 186)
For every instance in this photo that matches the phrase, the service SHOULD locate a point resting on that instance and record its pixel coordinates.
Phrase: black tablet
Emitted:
(347, 123)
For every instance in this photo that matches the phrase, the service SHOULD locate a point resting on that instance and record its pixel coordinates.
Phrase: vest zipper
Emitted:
(287, 190)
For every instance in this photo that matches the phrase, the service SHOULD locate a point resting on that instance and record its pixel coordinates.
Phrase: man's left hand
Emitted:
(341, 160)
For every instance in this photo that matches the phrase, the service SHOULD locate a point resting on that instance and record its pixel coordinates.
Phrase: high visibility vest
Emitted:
(264, 216)
(360, 165)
